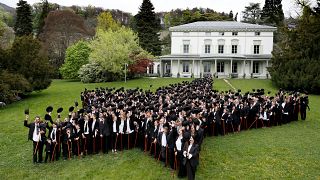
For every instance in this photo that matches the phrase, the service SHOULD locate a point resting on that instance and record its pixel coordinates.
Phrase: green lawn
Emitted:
(286, 152)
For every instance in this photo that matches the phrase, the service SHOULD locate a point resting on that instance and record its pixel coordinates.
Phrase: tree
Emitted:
(23, 25)
(113, 49)
(296, 58)
(105, 22)
(27, 58)
(44, 13)
(77, 55)
(231, 15)
(272, 13)
(62, 29)
(148, 27)
(252, 13)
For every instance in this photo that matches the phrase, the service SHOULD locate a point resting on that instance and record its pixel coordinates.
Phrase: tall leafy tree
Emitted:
(148, 27)
(23, 25)
(105, 22)
(77, 55)
(62, 29)
(272, 12)
(252, 13)
(113, 49)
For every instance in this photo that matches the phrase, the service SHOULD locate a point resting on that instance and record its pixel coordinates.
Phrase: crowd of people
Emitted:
(169, 124)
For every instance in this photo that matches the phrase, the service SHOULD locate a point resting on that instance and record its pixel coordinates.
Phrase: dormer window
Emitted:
(257, 33)
(221, 33)
(234, 33)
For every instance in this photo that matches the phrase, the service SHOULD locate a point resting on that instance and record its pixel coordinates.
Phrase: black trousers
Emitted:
(191, 171)
(37, 151)
(113, 140)
(171, 157)
(182, 169)
(48, 156)
(303, 113)
(105, 144)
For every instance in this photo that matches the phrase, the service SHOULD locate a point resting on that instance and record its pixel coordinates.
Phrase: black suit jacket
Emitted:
(104, 128)
(31, 127)
(194, 151)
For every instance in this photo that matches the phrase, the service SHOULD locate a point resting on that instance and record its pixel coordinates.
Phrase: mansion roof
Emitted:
(221, 26)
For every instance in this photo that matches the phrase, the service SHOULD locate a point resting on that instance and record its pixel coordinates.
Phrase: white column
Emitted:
(215, 66)
(201, 68)
(251, 70)
(161, 74)
(171, 68)
(179, 66)
(231, 66)
(244, 67)
(193, 68)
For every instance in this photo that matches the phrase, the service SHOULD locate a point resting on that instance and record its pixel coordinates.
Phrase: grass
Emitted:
(285, 152)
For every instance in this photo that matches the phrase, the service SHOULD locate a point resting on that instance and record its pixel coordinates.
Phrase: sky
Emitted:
(132, 6)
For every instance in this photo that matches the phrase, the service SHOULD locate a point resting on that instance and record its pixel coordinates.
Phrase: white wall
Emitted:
(197, 42)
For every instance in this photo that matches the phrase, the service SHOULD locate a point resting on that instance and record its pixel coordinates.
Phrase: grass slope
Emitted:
(285, 152)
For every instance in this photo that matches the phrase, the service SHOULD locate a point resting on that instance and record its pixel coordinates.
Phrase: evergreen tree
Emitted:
(272, 12)
(296, 58)
(23, 25)
(148, 27)
(252, 13)
(44, 13)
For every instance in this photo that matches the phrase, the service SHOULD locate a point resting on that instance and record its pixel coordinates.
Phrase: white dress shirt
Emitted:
(36, 134)
(179, 143)
(163, 140)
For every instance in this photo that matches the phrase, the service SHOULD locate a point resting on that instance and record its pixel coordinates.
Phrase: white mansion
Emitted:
(221, 48)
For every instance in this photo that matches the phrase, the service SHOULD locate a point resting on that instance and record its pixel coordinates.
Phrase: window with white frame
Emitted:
(256, 49)
(220, 49)
(151, 69)
(185, 67)
(186, 46)
(255, 67)
(220, 67)
(257, 33)
(234, 33)
(207, 48)
(234, 46)
(221, 33)
(234, 49)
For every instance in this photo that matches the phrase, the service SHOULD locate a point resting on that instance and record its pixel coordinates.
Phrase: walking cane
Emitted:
(166, 155)
(78, 149)
(94, 144)
(121, 141)
(150, 146)
(145, 144)
(101, 143)
(54, 150)
(155, 150)
(115, 145)
(128, 141)
(68, 149)
(85, 145)
(135, 141)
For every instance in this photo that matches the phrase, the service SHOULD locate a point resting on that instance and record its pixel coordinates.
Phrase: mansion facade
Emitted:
(220, 48)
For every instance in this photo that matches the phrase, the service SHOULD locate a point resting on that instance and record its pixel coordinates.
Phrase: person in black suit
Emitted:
(104, 130)
(191, 158)
(37, 132)
(179, 143)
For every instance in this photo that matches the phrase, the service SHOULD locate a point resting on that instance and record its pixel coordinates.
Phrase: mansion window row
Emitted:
(234, 48)
(220, 67)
